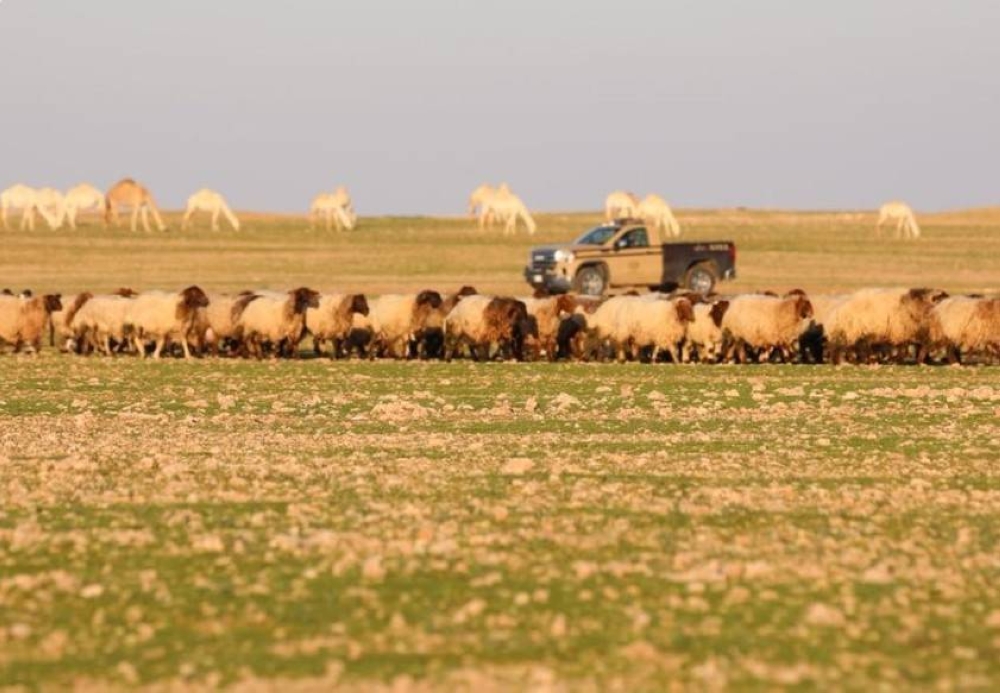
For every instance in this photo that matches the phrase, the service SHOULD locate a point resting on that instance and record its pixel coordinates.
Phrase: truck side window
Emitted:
(636, 238)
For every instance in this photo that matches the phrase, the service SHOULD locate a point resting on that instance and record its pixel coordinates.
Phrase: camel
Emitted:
(655, 211)
(899, 212)
(28, 201)
(206, 200)
(336, 207)
(621, 204)
(486, 199)
(128, 193)
(82, 198)
(480, 199)
(506, 207)
(51, 204)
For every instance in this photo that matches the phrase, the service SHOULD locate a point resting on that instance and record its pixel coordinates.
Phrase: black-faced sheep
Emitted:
(333, 319)
(764, 323)
(276, 320)
(163, 316)
(396, 319)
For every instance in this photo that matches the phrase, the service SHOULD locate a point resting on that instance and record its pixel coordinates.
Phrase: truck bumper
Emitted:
(546, 279)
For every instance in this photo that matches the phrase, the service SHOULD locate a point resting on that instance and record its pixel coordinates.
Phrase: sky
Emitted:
(710, 103)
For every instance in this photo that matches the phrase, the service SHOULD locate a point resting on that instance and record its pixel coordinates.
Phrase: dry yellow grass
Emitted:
(816, 251)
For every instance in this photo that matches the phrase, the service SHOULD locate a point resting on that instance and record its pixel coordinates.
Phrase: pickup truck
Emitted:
(627, 254)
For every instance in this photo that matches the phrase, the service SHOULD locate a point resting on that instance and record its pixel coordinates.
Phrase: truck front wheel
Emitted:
(590, 281)
(701, 278)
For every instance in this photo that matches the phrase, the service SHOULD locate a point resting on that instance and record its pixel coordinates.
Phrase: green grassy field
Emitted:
(477, 525)
(300, 524)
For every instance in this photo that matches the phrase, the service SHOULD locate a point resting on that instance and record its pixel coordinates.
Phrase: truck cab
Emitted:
(628, 254)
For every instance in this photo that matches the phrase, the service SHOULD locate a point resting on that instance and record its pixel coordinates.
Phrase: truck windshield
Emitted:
(597, 236)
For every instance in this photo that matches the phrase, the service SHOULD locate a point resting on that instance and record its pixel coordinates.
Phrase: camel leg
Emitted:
(185, 222)
(3, 213)
(328, 217)
(145, 218)
(215, 219)
(149, 207)
(343, 222)
(135, 219)
(71, 217)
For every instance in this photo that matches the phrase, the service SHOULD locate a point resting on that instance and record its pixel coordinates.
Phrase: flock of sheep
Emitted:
(869, 325)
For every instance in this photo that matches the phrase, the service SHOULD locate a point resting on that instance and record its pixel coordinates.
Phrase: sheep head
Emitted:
(193, 298)
(685, 311)
(429, 298)
(303, 299)
(718, 311)
(52, 302)
(565, 304)
(803, 307)
(359, 304)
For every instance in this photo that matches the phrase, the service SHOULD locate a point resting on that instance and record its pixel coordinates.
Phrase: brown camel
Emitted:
(128, 193)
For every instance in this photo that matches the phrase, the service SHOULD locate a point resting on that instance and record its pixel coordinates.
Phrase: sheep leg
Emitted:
(159, 347)
(185, 348)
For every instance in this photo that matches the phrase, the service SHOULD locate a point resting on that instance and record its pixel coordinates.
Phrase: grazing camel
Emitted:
(655, 211)
(28, 201)
(899, 212)
(507, 207)
(621, 204)
(479, 200)
(128, 193)
(82, 198)
(51, 204)
(206, 200)
(336, 207)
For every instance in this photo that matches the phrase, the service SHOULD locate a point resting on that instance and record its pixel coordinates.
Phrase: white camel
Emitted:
(27, 200)
(206, 200)
(51, 204)
(621, 204)
(902, 215)
(335, 207)
(478, 202)
(655, 211)
(506, 207)
(82, 198)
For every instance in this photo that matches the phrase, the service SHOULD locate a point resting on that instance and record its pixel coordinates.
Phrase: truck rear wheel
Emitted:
(590, 281)
(701, 278)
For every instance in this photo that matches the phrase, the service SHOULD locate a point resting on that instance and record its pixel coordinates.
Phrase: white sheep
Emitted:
(637, 322)
(704, 333)
(23, 319)
(279, 320)
(480, 322)
(333, 319)
(100, 320)
(963, 324)
(161, 316)
(892, 318)
(763, 322)
(397, 319)
(660, 324)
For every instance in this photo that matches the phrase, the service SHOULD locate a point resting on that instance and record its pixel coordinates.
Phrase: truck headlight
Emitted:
(563, 256)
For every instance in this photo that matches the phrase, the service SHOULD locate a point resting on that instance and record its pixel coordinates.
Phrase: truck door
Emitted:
(632, 262)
